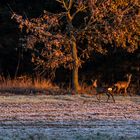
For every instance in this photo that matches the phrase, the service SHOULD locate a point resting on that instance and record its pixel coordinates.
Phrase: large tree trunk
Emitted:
(75, 82)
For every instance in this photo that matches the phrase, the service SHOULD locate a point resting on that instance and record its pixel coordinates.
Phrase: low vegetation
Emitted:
(25, 85)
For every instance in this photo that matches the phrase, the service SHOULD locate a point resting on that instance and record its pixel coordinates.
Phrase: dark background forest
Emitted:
(16, 61)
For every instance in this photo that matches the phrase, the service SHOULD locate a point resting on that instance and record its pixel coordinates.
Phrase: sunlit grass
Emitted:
(25, 82)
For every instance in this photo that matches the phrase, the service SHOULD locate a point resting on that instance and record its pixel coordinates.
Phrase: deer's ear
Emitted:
(93, 80)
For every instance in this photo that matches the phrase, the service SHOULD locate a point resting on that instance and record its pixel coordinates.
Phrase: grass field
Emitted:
(62, 117)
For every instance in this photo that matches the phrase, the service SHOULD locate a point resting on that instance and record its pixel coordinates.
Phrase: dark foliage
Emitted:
(113, 66)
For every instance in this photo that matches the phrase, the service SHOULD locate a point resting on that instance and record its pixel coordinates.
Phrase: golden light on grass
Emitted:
(25, 82)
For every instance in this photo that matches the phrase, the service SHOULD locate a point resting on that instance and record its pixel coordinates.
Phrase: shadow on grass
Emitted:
(32, 91)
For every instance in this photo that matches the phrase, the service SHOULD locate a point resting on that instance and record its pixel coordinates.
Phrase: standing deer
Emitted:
(103, 90)
(123, 84)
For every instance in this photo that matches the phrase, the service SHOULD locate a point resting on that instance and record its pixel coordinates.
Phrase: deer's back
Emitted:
(121, 84)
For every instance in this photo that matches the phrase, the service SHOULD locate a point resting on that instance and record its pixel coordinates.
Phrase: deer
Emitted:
(123, 84)
(103, 90)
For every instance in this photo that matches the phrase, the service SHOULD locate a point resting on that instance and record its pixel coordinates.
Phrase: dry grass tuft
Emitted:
(25, 82)
(43, 83)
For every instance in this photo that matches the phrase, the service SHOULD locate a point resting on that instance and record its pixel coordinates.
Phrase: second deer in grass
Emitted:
(123, 84)
(103, 90)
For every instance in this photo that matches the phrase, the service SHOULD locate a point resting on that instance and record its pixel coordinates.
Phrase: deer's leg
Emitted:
(126, 91)
(108, 96)
(114, 90)
(112, 97)
(118, 89)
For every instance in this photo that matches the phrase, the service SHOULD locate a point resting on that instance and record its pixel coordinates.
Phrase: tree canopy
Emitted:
(103, 22)
(117, 22)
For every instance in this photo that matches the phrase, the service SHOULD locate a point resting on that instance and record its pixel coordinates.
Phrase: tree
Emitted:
(103, 22)
(116, 22)
(59, 38)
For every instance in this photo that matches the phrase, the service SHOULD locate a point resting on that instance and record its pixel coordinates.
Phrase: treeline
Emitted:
(16, 59)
